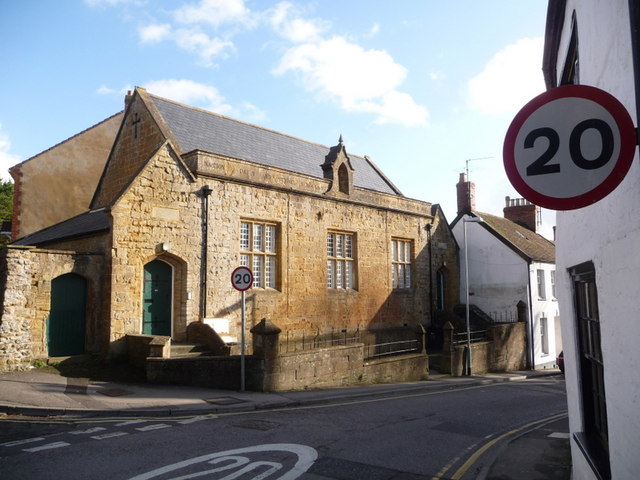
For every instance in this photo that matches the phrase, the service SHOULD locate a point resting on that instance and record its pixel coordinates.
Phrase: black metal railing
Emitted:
(391, 348)
(474, 336)
(299, 341)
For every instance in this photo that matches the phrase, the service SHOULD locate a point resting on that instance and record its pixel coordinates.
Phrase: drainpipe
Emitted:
(205, 192)
(532, 352)
(428, 227)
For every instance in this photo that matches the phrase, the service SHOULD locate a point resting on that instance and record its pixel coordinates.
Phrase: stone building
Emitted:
(185, 196)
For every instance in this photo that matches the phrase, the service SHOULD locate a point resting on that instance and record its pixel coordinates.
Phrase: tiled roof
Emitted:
(531, 244)
(196, 129)
(87, 223)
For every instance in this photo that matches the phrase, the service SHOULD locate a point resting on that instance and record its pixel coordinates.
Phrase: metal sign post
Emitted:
(242, 279)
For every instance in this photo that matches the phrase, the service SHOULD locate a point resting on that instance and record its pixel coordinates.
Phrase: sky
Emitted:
(425, 88)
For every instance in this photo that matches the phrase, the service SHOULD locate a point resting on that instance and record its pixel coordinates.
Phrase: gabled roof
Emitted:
(88, 223)
(526, 243)
(196, 129)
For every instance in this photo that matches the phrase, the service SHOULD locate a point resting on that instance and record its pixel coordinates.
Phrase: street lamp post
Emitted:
(467, 357)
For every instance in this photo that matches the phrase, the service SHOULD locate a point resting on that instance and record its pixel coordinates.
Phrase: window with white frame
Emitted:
(341, 260)
(541, 291)
(544, 335)
(400, 263)
(553, 284)
(258, 251)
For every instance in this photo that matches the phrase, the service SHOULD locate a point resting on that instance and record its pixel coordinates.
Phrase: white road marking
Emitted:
(48, 446)
(157, 426)
(558, 435)
(85, 432)
(21, 442)
(130, 422)
(193, 420)
(109, 435)
(303, 456)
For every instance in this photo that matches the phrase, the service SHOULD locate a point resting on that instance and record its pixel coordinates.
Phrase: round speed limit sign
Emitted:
(569, 147)
(242, 278)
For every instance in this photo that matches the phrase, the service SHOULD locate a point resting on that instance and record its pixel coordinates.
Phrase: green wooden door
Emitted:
(66, 322)
(156, 318)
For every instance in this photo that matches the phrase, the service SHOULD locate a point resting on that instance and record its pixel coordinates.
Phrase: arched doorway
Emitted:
(158, 287)
(66, 321)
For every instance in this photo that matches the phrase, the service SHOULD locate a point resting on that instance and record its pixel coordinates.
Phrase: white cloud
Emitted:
(104, 90)
(374, 30)
(358, 80)
(191, 93)
(253, 113)
(203, 45)
(111, 3)
(214, 12)
(286, 20)
(154, 33)
(510, 79)
(7, 159)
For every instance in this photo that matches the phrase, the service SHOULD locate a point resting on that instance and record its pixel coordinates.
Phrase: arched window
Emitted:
(343, 179)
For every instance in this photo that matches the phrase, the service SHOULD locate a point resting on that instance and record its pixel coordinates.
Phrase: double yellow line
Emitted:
(480, 451)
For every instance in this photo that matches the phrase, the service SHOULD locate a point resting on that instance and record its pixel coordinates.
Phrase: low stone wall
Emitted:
(508, 347)
(479, 359)
(504, 351)
(400, 368)
(318, 368)
(208, 372)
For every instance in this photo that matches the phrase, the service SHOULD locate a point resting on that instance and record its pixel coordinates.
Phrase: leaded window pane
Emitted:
(269, 273)
(257, 237)
(257, 271)
(270, 239)
(244, 236)
(330, 239)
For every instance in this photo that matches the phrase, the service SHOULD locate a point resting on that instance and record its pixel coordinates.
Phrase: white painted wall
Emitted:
(608, 234)
(499, 278)
(546, 307)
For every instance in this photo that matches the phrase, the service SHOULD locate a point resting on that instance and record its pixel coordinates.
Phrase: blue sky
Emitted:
(420, 86)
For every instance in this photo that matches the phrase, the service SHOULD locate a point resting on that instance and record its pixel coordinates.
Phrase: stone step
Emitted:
(189, 350)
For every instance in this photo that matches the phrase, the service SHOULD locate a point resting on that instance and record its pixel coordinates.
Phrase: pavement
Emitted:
(537, 451)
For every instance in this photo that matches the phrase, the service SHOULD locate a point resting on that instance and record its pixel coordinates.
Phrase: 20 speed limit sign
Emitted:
(569, 147)
(242, 278)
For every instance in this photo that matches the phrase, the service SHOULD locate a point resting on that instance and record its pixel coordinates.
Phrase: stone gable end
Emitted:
(138, 138)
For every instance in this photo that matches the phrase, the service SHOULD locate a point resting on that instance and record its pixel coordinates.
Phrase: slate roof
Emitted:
(196, 129)
(531, 244)
(87, 223)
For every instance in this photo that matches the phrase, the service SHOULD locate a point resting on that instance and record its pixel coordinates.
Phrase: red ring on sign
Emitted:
(628, 141)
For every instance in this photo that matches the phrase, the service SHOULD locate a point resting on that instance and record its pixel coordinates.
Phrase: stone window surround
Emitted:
(259, 244)
(401, 263)
(341, 260)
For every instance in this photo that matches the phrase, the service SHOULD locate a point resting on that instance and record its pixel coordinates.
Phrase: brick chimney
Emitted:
(522, 212)
(466, 195)
(128, 98)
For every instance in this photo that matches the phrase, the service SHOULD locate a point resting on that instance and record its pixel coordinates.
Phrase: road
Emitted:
(451, 433)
